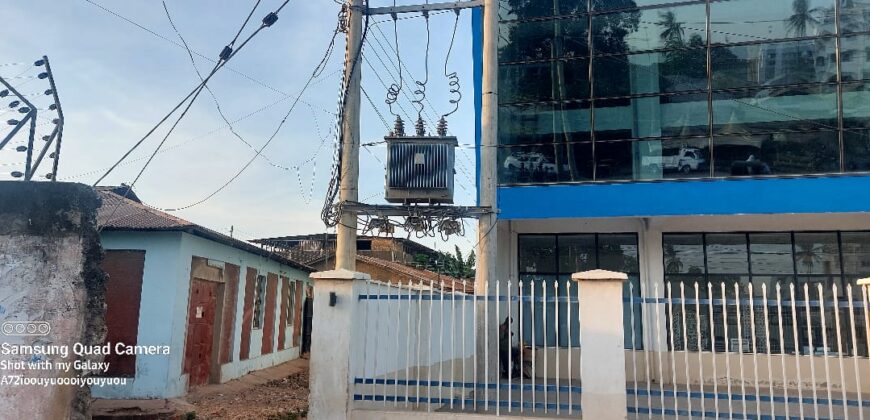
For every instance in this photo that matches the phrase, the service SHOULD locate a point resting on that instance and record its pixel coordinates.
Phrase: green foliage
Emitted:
(454, 265)
(190, 415)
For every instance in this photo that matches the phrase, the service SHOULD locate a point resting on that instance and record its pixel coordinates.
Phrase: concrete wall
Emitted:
(163, 313)
(49, 271)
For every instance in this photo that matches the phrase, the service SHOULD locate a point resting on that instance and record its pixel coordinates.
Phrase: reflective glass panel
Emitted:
(543, 39)
(652, 159)
(657, 116)
(856, 252)
(531, 164)
(627, 4)
(650, 29)
(544, 81)
(770, 253)
(817, 253)
(776, 154)
(524, 9)
(854, 16)
(544, 123)
(537, 253)
(857, 150)
(781, 63)
(855, 56)
(856, 105)
(775, 108)
(684, 253)
(618, 253)
(726, 254)
(577, 253)
(671, 71)
(752, 20)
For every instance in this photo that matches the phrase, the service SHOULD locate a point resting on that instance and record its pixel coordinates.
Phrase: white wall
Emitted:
(432, 334)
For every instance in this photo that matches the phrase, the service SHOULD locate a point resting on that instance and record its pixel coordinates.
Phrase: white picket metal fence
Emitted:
(736, 350)
(749, 351)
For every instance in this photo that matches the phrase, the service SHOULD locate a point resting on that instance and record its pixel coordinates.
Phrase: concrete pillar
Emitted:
(602, 361)
(334, 335)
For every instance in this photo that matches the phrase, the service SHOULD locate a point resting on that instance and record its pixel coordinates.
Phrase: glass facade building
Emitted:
(634, 90)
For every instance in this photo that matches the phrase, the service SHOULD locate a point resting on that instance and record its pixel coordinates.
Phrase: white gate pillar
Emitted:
(602, 357)
(334, 336)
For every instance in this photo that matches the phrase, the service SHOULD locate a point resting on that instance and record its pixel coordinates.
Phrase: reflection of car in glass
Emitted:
(685, 160)
(532, 161)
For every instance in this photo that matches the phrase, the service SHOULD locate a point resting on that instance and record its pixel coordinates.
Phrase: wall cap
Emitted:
(599, 275)
(340, 274)
(864, 282)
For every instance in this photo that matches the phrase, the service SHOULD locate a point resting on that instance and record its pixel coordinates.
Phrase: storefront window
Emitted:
(801, 261)
(546, 263)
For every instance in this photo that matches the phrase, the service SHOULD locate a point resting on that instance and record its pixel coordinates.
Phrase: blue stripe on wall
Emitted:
(477, 59)
(683, 198)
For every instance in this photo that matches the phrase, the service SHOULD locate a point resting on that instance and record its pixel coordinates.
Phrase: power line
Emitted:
(204, 135)
(226, 54)
(318, 70)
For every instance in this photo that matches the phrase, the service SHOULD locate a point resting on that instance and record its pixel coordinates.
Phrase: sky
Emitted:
(117, 80)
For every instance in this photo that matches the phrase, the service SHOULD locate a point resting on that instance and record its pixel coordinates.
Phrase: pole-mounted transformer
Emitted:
(420, 168)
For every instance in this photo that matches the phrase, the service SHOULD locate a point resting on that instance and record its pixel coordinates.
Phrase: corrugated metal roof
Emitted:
(123, 214)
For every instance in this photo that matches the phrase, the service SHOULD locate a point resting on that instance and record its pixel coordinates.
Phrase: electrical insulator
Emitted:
(399, 128)
(21, 149)
(442, 127)
(16, 174)
(14, 104)
(4, 93)
(421, 127)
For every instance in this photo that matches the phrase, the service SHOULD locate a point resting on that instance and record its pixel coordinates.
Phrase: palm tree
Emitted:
(673, 31)
(801, 18)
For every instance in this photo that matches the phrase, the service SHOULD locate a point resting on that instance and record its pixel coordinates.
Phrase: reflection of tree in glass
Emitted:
(802, 18)
(673, 30)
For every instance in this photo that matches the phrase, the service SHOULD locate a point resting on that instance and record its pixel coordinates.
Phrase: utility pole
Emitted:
(486, 329)
(345, 247)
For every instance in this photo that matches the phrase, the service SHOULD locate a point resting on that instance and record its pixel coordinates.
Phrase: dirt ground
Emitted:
(283, 398)
(276, 393)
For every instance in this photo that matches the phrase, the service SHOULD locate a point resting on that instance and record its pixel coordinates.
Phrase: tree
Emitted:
(802, 17)
(453, 265)
(673, 31)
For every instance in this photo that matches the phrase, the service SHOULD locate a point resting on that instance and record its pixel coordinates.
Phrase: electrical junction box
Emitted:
(420, 169)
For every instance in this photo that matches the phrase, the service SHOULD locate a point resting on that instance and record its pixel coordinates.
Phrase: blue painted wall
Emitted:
(164, 305)
(841, 194)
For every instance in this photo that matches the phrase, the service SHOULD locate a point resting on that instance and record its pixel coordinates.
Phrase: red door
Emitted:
(200, 331)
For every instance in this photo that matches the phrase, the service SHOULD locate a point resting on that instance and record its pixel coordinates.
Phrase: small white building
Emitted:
(218, 307)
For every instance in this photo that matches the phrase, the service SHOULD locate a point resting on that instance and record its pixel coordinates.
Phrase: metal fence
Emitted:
(729, 350)
(745, 351)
